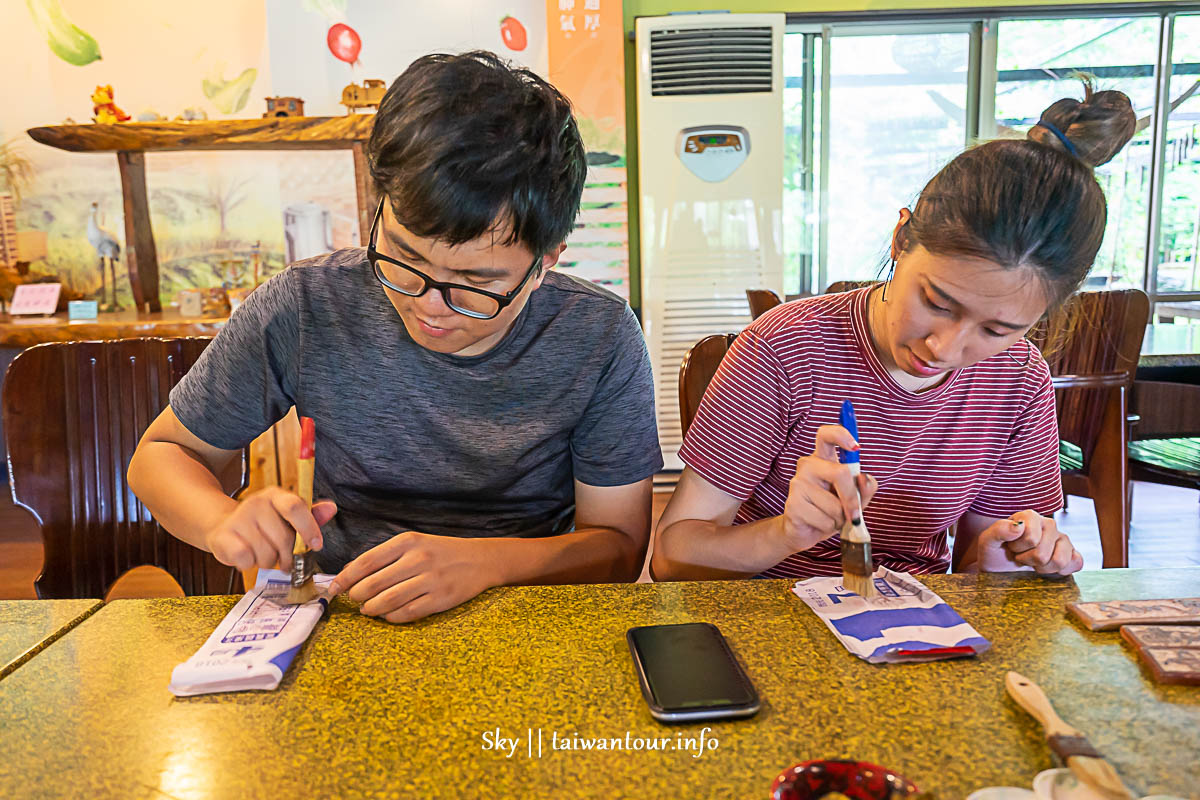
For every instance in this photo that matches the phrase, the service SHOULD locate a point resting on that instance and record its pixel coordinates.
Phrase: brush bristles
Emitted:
(861, 585)
(1100, 775)
(857, 568)
(304, 593)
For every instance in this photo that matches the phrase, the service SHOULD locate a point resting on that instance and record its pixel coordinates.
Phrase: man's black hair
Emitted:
(465, 144)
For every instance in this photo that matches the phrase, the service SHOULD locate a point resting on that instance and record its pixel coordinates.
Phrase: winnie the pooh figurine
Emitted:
(105, 111)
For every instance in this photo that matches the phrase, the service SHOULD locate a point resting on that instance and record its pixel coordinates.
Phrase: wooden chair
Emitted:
(701, 361)
(273, 456)
(1167, 446)
(1092, 345)
(761, 301)
(696, 371)
(73, 415)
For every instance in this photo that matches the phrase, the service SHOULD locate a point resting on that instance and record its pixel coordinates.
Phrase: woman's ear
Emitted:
(900, 234)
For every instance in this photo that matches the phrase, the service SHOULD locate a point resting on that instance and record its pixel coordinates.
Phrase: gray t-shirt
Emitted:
(410, 439)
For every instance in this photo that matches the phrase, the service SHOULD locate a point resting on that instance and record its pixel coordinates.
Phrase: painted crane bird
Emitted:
(109, 249)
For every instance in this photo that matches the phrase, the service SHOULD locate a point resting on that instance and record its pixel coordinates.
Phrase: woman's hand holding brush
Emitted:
(824, 494)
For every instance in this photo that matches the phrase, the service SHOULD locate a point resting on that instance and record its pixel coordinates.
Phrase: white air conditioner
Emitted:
(710, 172)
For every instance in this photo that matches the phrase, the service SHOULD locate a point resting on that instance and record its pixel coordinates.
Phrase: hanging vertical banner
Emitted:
(587, 63)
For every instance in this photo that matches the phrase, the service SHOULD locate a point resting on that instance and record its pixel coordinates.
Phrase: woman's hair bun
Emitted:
(1098, 127)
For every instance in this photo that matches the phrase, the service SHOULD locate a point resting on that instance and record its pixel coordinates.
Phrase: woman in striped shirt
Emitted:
(955, 407)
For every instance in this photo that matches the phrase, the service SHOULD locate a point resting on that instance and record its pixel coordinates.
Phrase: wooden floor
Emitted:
(1165, 533)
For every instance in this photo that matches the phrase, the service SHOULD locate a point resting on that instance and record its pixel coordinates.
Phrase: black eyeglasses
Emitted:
(466, 300)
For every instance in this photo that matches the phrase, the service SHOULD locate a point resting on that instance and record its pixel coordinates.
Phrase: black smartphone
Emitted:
(688, 672)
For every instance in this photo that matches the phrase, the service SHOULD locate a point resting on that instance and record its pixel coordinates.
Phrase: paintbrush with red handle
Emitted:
(304, 563)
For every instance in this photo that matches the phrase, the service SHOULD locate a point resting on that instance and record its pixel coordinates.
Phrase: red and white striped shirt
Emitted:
(984, 440)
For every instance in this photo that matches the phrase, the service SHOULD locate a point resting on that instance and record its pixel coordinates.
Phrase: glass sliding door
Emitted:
(889, 107)
(1037, 62)
(802, 60)
(1179, 233)
(873, 109)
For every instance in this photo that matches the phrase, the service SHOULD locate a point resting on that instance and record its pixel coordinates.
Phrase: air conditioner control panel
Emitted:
(713, 152)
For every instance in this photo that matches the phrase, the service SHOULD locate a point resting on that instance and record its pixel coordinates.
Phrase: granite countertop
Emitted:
(372, 709)
(28, 626)
(1167, 345)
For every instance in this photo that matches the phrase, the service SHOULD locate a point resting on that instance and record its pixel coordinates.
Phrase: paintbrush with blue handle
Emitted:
(857, 566)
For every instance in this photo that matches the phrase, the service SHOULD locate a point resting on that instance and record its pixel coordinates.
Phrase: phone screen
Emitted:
(690, 666)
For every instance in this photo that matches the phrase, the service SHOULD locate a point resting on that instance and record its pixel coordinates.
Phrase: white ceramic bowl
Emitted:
(1061, 784)
(1002, 793)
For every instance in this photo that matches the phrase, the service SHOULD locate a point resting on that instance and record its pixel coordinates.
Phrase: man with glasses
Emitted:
(481, 420)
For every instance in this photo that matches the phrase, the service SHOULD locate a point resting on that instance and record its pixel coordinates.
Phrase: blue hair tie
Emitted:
(1062, 137)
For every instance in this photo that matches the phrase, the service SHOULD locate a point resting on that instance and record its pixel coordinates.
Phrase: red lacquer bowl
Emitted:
(857, 780)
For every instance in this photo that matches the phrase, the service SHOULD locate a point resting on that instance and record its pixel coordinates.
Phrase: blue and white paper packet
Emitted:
(907, 622)
(255, 643)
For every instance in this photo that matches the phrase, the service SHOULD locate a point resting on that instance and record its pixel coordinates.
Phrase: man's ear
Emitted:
(551, 258)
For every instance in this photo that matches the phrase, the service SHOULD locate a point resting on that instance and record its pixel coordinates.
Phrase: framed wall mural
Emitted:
(220, 217)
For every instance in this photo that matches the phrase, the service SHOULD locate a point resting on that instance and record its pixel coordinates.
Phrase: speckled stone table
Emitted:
(28, 626)
(1170, 346)
(370, 709)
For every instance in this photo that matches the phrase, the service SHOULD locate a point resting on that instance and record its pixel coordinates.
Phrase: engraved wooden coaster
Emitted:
(1111, 614)
(1161, 635)
(1172, 652)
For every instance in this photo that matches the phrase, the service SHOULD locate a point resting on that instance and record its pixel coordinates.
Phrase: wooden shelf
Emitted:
(131, 140)
(273, 133)
(24, 332)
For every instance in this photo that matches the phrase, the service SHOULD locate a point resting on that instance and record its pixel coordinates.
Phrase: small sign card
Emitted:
(81, 310)
(35, 298)
(191, 303)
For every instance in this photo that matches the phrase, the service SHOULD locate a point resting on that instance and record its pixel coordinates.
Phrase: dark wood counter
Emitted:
(22, 332)
(271, 133)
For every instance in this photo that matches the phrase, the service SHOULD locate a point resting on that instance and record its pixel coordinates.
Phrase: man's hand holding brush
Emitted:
(261, 530)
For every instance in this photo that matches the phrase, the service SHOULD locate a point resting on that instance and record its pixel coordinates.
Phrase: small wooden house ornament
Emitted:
(284, 107)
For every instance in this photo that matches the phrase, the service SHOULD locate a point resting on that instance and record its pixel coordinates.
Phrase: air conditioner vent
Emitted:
(689, 61)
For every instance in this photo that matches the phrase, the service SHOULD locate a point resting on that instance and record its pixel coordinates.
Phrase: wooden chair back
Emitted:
(1091, 344)
(1167, 410)
(73, 415)
(761, 301)
(696, 372)
(273, 456)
